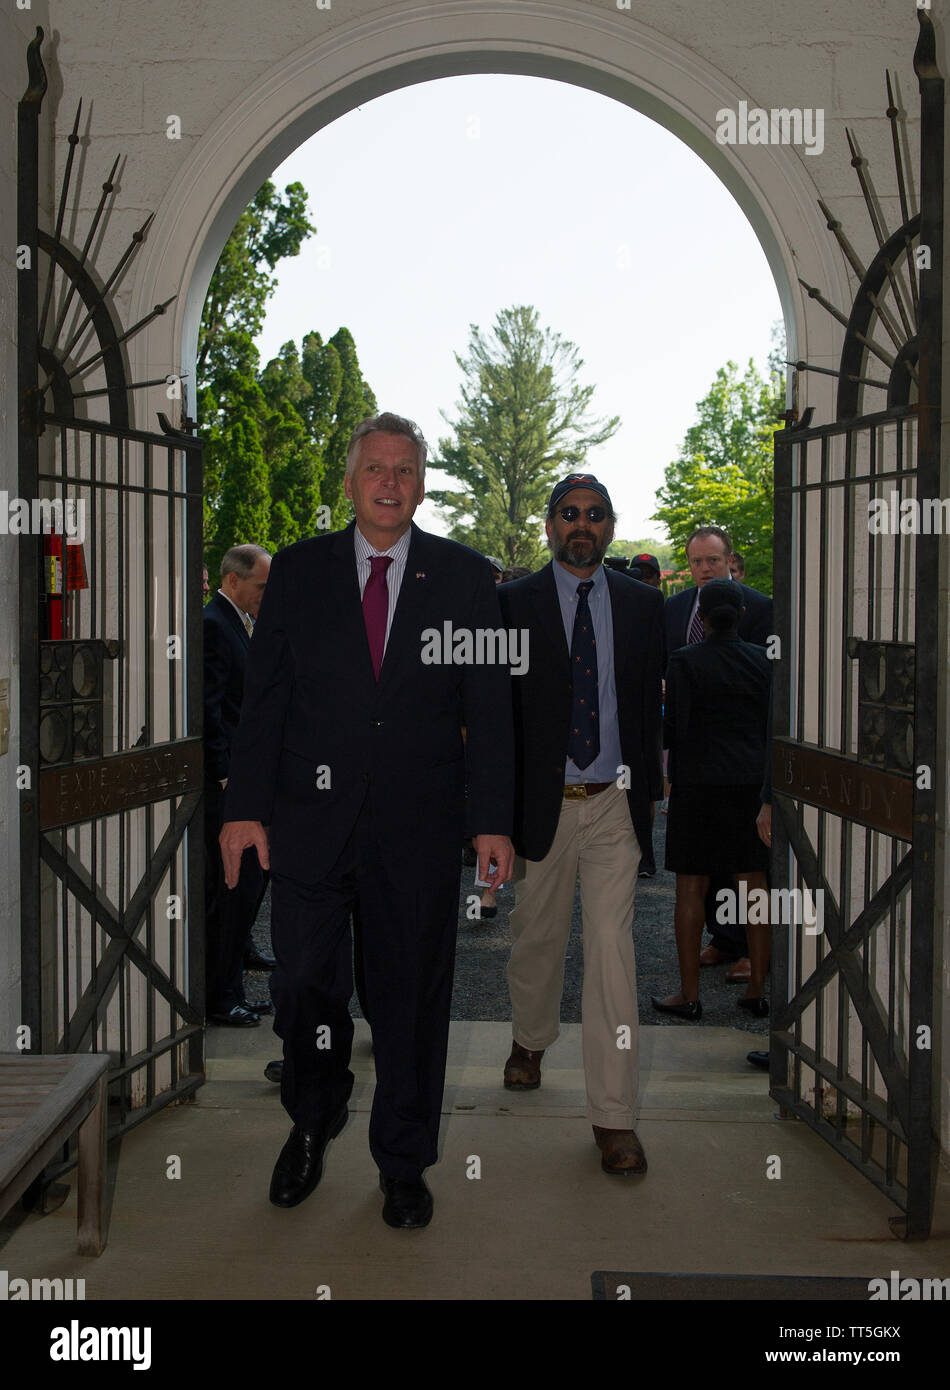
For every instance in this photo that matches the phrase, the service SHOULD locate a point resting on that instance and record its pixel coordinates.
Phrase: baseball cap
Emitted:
(578, 480)
(650, 561)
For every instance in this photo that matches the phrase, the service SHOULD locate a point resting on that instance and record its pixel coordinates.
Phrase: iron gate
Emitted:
(855, 774)
(111, 682)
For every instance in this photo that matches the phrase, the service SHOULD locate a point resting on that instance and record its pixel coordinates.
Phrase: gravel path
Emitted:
(481, 994)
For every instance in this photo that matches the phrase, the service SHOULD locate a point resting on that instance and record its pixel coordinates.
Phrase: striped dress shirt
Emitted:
(394, 574)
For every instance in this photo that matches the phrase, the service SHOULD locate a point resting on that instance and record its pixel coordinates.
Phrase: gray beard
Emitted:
(590, 552)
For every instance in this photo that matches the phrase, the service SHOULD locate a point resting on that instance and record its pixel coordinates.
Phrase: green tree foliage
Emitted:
(522, 423)
(664, 551)
(268, 230)
(354, 401)
(275, 439)
(245, 495)
(723, 476)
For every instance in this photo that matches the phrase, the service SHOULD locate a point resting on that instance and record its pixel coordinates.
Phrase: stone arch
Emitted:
(603, 51)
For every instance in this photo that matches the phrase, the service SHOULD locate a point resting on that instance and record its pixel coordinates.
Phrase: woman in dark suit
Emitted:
(715, 721)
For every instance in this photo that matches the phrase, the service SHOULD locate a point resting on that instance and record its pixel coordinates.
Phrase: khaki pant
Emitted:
(595, 838)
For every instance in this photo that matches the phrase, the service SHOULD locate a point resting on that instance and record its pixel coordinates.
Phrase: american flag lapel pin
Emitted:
(420, 574)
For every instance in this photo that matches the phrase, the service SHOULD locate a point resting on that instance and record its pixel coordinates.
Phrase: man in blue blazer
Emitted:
(349, 776)
(707, 554)
(587, 734)
(229, 912)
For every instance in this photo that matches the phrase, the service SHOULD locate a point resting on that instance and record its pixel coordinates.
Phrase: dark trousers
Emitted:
(408, 926)
(229, 912)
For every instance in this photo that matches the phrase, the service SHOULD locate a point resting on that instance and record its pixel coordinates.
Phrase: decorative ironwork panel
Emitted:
(855, 773)
(111, 690)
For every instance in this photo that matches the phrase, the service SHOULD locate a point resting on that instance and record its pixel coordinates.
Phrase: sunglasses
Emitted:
(593, 514)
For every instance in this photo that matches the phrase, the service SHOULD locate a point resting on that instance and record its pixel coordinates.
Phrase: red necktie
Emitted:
(376, 608)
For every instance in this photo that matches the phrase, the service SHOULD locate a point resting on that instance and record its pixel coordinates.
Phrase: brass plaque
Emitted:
(118, 783)
(881, 800)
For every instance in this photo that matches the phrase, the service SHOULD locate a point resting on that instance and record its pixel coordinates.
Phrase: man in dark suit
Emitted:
(708, 553)
(229, 912)
(350, 753)
(587, 733)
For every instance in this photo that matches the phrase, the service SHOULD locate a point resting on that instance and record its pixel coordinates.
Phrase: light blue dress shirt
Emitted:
(605, 766)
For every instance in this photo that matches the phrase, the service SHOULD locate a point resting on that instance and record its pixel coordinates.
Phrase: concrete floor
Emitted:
(536, 1224)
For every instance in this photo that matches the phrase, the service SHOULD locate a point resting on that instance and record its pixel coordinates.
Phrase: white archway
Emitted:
(605, 52)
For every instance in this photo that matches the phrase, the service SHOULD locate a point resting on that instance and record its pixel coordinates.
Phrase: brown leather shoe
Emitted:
(523, 1069)
(622, 1152)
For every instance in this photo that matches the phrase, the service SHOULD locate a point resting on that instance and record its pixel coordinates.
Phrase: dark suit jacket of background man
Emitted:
(543, 701)
(755, 625)
(228, 916)
(311, 700)
(225, 657)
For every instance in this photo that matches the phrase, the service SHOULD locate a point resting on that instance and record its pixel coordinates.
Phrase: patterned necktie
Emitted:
(249, 626)
(697, 633)
(583, 743)
(376, 608)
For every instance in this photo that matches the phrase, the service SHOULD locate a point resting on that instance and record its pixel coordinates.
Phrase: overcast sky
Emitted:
(438, 205)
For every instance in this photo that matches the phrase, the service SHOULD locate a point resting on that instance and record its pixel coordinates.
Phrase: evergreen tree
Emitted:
(244, 514)
(275, 439)
(523, 422)
(228, 391)
(354, 401)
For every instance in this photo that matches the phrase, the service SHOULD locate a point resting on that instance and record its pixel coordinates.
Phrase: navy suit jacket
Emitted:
(543, 703)
(755, 625)
(319, 734)
(225, 657)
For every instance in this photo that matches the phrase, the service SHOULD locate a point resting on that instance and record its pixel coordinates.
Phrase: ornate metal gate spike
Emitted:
(73, 139)
(73, 297)
(880, 323)
(136, 239)
(892, 114)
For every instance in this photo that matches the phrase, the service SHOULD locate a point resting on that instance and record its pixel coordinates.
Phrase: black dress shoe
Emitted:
(299, 1165)
(256, 960)
(758, 1008)
(274, 1071)
(408, 1204)
(693, 1010)
(238, 1017)
(758, 1059)
(265, 1006)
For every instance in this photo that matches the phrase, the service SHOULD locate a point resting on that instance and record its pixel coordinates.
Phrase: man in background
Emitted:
(228, 620)
(646, 568)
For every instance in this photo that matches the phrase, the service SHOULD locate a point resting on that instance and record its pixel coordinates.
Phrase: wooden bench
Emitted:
(43, 1102)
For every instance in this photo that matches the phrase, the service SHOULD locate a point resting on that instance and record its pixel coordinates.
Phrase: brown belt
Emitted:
(579, 791)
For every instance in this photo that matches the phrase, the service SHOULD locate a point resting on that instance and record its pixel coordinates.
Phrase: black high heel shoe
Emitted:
(759, 1008)
(692, 1011)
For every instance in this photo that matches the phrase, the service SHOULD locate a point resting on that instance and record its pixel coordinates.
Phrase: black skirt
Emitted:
(711, 830)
